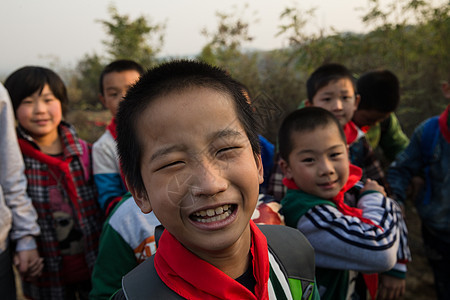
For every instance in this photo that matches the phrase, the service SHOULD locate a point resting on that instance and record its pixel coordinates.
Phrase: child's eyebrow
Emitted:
(226, 133)
(166, 150)
(306, 151)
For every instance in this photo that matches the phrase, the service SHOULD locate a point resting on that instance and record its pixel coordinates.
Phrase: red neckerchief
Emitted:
(354, 176)
(56, 165)
(193, 278)
(443, 124)
(365, 129)
(112, 128)
(351, 132)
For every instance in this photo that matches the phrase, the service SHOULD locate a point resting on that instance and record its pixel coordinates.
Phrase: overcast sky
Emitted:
(41, 31)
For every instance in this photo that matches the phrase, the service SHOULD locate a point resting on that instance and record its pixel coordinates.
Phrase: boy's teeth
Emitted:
(213, 219)
(212, 215)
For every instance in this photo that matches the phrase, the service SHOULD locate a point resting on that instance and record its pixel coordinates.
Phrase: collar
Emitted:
(355, 174)
(67, 134)
(112, 128)
(193, 278)
(352, 132)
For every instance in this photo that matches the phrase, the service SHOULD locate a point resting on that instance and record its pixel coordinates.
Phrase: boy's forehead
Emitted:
(187, 96)
(299, 136)
(190, 101)
(113, 75)
(340, 81)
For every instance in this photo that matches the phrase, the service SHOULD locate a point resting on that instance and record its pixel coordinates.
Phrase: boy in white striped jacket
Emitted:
(368, 236)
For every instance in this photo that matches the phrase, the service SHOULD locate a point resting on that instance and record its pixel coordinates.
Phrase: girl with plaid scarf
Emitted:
(60, 184)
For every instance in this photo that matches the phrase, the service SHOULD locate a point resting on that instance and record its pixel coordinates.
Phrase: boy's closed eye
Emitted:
(173, 164)
(227, 152)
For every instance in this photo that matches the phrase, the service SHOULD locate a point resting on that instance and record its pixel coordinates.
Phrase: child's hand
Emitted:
(390, 287)
(372, 185)
(29, 264)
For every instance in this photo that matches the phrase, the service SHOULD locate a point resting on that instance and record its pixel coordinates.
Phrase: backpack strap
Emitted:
(297, 266)
(429, 139)
(294, 254)
(143, 281)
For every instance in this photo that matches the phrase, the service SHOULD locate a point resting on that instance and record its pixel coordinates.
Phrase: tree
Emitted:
(89, 69)
(231, 33)
(138, 40)
(225, 46)
(409, 37)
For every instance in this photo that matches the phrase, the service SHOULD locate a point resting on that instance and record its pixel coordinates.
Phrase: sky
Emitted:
(61, 32)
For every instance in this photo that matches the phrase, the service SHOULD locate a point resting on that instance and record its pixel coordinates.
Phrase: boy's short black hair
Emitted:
(120, 66)
(25, 81)
(324, 75)
(175, 76)
(379, 90)
(304, 119)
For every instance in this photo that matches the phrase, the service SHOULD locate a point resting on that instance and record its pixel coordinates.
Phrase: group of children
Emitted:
(179, 169)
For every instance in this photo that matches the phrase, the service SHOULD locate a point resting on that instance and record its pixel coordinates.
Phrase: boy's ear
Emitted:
(285, 168)
(307, 102)
(102, 99)
(259, 164)
(141, 199)
(357, 100)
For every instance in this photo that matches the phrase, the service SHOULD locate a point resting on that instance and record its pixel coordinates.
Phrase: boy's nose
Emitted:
(208, 180)
(326, 167)
(338, 104)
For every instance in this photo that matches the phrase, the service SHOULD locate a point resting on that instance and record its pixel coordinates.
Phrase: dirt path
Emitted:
(419, 279)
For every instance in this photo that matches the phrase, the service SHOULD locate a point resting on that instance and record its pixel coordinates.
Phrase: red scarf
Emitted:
(351, 132)
(193, 278)
(57, 166)
(112, 128)
(354, 176)
(443, 124)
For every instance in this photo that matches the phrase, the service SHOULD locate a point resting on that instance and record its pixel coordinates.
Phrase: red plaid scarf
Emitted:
(83, 196)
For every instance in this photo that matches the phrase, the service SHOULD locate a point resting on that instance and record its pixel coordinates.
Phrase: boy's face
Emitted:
(198, 168)
(318, 162)
(115, 86)
(369, 117)
(337, 97)
(40, 114)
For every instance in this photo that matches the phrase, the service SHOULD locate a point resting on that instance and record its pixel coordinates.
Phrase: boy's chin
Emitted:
(220, 241)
